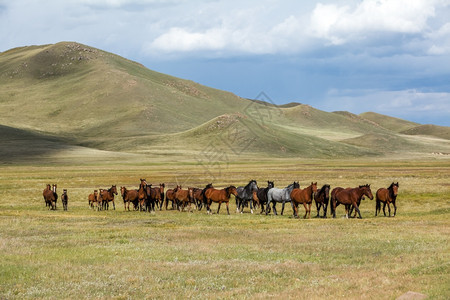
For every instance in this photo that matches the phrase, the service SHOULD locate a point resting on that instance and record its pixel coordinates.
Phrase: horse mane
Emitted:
(391, 190)
(322, 189)
(227, 189)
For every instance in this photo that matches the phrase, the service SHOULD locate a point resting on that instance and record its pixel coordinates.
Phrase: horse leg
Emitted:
(282, 208)
(395, 208)
(295, 209)
(251, 206)
(228, 209)
(384, 208)
(274, 209)
(333, 208)
(357, 209)
(389, 208)
(220, 203)
(238, 207)
(309, 210)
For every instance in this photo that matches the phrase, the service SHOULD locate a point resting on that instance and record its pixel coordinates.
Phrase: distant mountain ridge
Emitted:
(92, 98)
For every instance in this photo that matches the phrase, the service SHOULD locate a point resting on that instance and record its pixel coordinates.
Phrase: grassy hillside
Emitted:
(82, 96)
(390, 123)
(429, 130)
(69, 88)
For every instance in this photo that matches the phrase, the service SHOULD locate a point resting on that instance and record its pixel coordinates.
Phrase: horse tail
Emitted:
(377, 205)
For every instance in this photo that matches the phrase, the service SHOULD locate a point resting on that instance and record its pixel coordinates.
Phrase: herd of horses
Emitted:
(149, 198)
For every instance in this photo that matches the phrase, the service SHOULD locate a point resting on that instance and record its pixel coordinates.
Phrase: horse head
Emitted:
(393, 189)
(314, 187)
(143, 182)
(296, 185)
(231, 190)
(114, 189)
(367, 191)
(270, 184)
(123, 191)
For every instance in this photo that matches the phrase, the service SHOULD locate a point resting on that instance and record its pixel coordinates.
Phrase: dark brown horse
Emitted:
(198, 196)
(64, 199)
(161, 191)
(304, 196)
(322, 198)
(50, 196)
(387, 196)
(153, 197)
(219, 196)
(129, 196)
(108, 196)
(93, 199)
(349, 197)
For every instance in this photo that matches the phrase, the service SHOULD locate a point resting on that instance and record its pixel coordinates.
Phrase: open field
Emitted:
(116, 254)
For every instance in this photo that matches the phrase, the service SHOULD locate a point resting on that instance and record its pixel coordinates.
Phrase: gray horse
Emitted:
(281, 196)
(245, 195)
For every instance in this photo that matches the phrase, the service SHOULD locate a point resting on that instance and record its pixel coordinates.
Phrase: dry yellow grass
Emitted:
(115, 254)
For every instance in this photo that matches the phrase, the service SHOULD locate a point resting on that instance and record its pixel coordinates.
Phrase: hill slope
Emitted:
(75, 95)
(70, 88)
(390, 123)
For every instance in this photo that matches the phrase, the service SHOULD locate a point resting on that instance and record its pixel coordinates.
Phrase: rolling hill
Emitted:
(72, 95)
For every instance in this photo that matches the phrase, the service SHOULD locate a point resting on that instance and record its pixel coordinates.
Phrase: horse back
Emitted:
(382, 194)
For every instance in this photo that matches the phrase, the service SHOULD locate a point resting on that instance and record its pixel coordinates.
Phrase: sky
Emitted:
(386, 56)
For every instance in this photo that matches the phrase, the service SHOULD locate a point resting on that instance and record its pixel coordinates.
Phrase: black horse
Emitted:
(262, 195)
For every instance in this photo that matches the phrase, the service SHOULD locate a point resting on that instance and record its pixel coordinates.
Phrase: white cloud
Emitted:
(339, 24)
(440, 41)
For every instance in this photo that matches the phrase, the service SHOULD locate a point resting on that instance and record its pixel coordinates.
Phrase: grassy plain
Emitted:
(116, 254)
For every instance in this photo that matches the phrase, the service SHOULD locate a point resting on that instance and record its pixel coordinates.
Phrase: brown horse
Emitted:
(322, 198)
(170, 196)
(304, 196)
(199, 196)
(142, 193)
(50, 196)
(64, 199)
(93, 198)
(349, 197)
(108, 196)
(183, 197)
(129, 196)
(387, 196)
(47, 188)
(219, 196)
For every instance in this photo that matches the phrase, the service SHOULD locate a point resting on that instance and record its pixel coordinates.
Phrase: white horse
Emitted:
(281, 196)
